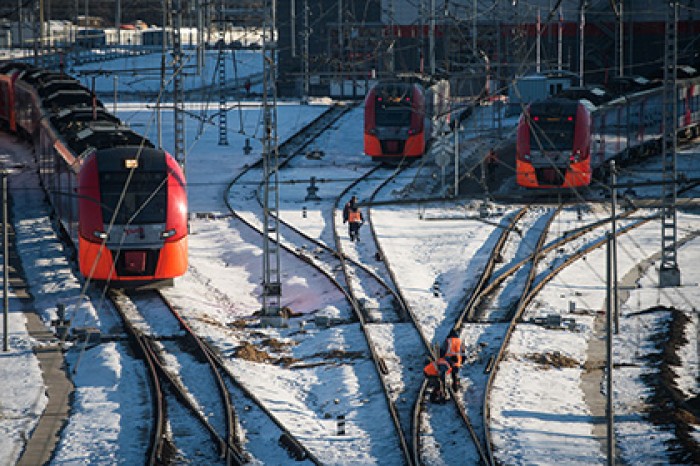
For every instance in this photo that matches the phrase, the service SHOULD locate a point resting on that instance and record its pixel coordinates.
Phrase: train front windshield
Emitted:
(144, 200)
(392, 112)
(552, 133)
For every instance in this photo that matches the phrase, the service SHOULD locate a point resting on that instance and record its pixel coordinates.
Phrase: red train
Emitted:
(553, 147)
(563, 143)
(399, 118)
(122, 201)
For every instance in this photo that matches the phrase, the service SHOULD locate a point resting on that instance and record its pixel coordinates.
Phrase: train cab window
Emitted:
(392, 112)
(144, 199)
(552, 133)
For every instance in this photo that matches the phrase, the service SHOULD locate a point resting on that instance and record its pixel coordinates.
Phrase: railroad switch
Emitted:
(555, 321)
(61, 324)
(311, 190)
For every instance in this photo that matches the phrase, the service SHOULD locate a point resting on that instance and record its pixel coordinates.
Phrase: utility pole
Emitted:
(539, 41)
(38, 32)
(581, 40)
(341, 41)
(293, 27)
(20, 24)
(613, 214)
(392, 46)
(118, 21)
(669, 273)
(622, 40)
(609, 413)
(474, 14)
(560, 33)
(221, 61)
(5, 266)
(159, 102)
(178, 99)
(272, 284)
(456, 179)
(431, 37)
(201, 44)
(306, 51)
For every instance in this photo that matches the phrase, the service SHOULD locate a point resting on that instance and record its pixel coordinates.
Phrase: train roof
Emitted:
(65, 98)
(38, 77)
(394, 89)
(77, 119)
(554, 106)
(103, 135)
(49, 88)
(594, 94)
(14, 66)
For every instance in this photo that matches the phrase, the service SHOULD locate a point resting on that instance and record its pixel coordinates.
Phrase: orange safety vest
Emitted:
(454, 349)
(432, 370)
(354, 216)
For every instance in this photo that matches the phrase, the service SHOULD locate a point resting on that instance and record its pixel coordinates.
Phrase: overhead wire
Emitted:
(631, 254)
(550, 15)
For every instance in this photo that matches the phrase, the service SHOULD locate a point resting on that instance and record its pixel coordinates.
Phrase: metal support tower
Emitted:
(272, 285)
(669, 273)
(178, 100)
(305, 55)
(223, 120)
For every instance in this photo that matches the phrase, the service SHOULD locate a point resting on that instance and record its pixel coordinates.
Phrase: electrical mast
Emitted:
(669, 273)
(221, 62)
(305, 55)
(178, 100)
(272, 286)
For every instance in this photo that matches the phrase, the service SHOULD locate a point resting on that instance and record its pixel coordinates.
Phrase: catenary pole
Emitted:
(610, 447)
(5, 295)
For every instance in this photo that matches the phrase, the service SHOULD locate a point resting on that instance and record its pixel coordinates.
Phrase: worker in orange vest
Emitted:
(453, 351)
(355, 221)
(346, 209)
(437, 372)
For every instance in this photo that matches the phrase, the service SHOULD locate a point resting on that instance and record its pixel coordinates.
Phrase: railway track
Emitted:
(365, 308)
(192, 372)
(443, 421)
(481, 317)
(378, 301)
(183, 389)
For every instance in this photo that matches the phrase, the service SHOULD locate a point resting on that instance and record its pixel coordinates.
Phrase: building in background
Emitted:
(337, 47)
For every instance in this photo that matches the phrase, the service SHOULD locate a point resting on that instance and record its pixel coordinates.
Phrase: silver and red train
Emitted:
(122, 201)
(562, 143)
(400, 117)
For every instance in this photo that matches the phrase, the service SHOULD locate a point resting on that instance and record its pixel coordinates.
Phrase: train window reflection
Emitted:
(144, 200)
(552, 135)
(393, 114)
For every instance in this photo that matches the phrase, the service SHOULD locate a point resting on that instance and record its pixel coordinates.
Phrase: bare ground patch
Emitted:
(668, 404)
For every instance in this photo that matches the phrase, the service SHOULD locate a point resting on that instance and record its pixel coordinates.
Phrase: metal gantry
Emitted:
(669, 273)
(223, 120)
(178, 99)
(272, 286)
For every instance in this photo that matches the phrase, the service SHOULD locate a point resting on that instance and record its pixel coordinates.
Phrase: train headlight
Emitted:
(411, 131)
(575, 157)
(526, 157)
(100, 234)
(131, 163)
(168, 233)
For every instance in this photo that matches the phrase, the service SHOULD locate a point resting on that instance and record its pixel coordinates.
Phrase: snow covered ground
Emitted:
(541, 414)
